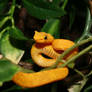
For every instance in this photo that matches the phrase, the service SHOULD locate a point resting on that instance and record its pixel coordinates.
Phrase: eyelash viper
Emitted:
(45, 44)
(49, 48)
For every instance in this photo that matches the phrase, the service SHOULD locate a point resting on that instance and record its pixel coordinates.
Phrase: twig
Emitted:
(87, 26)
(76, 56)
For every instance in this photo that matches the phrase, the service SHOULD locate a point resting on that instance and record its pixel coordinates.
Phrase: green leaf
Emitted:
(44, 4)
(17, 34)
(8, 50)
(71, 65)
(1, 83)
(7, 70)
(71, 17)
(88, 89)
(2, 5)
(56, 2)
(42, 10)
(78, 86)
(52, 27)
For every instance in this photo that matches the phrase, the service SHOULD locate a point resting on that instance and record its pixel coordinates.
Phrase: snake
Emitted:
(46, 45)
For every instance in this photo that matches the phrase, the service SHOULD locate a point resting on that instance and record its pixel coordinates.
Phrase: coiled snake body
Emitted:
(47, 45)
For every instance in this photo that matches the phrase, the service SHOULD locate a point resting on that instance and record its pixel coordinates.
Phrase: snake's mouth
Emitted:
(45, 56)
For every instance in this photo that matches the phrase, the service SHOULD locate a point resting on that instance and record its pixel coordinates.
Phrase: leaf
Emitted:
(1, 83)
(78, 86)
(71, 17)
(71, 65)
(88, 89)
(44, 4)
(42, 10)
(9, 51)
(17, 34)
(2, 5)
(7, 70)
(52, 27)
(56, 2)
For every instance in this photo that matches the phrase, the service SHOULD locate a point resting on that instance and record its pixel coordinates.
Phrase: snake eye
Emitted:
(45, 37)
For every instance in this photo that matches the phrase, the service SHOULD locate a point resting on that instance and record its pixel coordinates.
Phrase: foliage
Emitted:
(7, 70)
(52, 12)
(45, 9)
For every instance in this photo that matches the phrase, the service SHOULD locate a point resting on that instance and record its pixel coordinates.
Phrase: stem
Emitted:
(70, 49)
(12, 8)
(1, 33)
(89, 35)
(13, 24)
(4, 21)
(76, 56)
(11, 12)
(64, 4)
(84, 79)
(82, 84)
(80, 73)
(87, 26)
(66, 52)
(89, 74)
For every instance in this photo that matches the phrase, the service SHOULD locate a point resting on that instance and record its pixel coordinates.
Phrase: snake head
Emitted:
(42, 37)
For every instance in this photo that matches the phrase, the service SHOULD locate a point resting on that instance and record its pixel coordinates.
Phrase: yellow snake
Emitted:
(47, 45)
